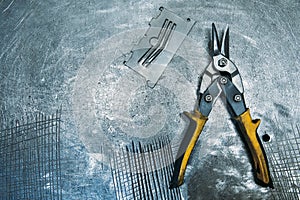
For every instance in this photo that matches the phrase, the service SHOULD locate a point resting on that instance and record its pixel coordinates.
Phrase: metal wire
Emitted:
(30, 159)
(284, 160)
(143, 171)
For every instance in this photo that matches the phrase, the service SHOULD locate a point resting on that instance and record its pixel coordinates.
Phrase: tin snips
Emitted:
(222, 79)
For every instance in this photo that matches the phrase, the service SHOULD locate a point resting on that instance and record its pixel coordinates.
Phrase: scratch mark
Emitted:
(9, 46)
(8, 6)
(250, 40)
(20, 22)
(107, 10)
(26, 15)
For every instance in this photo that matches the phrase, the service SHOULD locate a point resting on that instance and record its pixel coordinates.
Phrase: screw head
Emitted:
(223, 80)
(222, 62)
(237, 98)
(208, 98)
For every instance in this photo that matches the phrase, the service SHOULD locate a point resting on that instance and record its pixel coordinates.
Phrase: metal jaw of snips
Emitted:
(222, 79)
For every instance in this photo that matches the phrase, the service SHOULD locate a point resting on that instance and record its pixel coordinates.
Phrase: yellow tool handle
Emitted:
(248, 128)
(197, 122)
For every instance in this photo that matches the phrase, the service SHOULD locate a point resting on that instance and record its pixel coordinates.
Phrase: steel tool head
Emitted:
(223, 46)
(221, 76)
(221, 64)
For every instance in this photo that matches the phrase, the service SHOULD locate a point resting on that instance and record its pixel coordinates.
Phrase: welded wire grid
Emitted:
(143, 171)
(30, 159)
(284, 161)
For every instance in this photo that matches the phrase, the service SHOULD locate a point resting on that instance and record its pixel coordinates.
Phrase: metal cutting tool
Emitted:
(222, 79)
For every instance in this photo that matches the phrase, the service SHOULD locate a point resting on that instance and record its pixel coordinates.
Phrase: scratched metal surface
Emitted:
(69, 53)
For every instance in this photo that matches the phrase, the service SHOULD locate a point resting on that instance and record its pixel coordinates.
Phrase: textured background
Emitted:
(69, 53)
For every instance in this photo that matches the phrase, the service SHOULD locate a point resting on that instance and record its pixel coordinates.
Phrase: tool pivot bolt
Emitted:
(208, 98)
(223, 80)
(237, 98)
(222, 62)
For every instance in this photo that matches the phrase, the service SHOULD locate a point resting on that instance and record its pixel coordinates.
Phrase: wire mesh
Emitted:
(83, 175)
(30, 159)
(143, 171)
(284, 160)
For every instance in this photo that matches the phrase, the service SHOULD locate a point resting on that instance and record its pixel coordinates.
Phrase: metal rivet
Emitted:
(237, 98)
(208, 98)
(222, 62)
(223, 80)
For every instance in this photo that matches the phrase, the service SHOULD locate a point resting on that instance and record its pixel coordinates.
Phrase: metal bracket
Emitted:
(155, 50)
